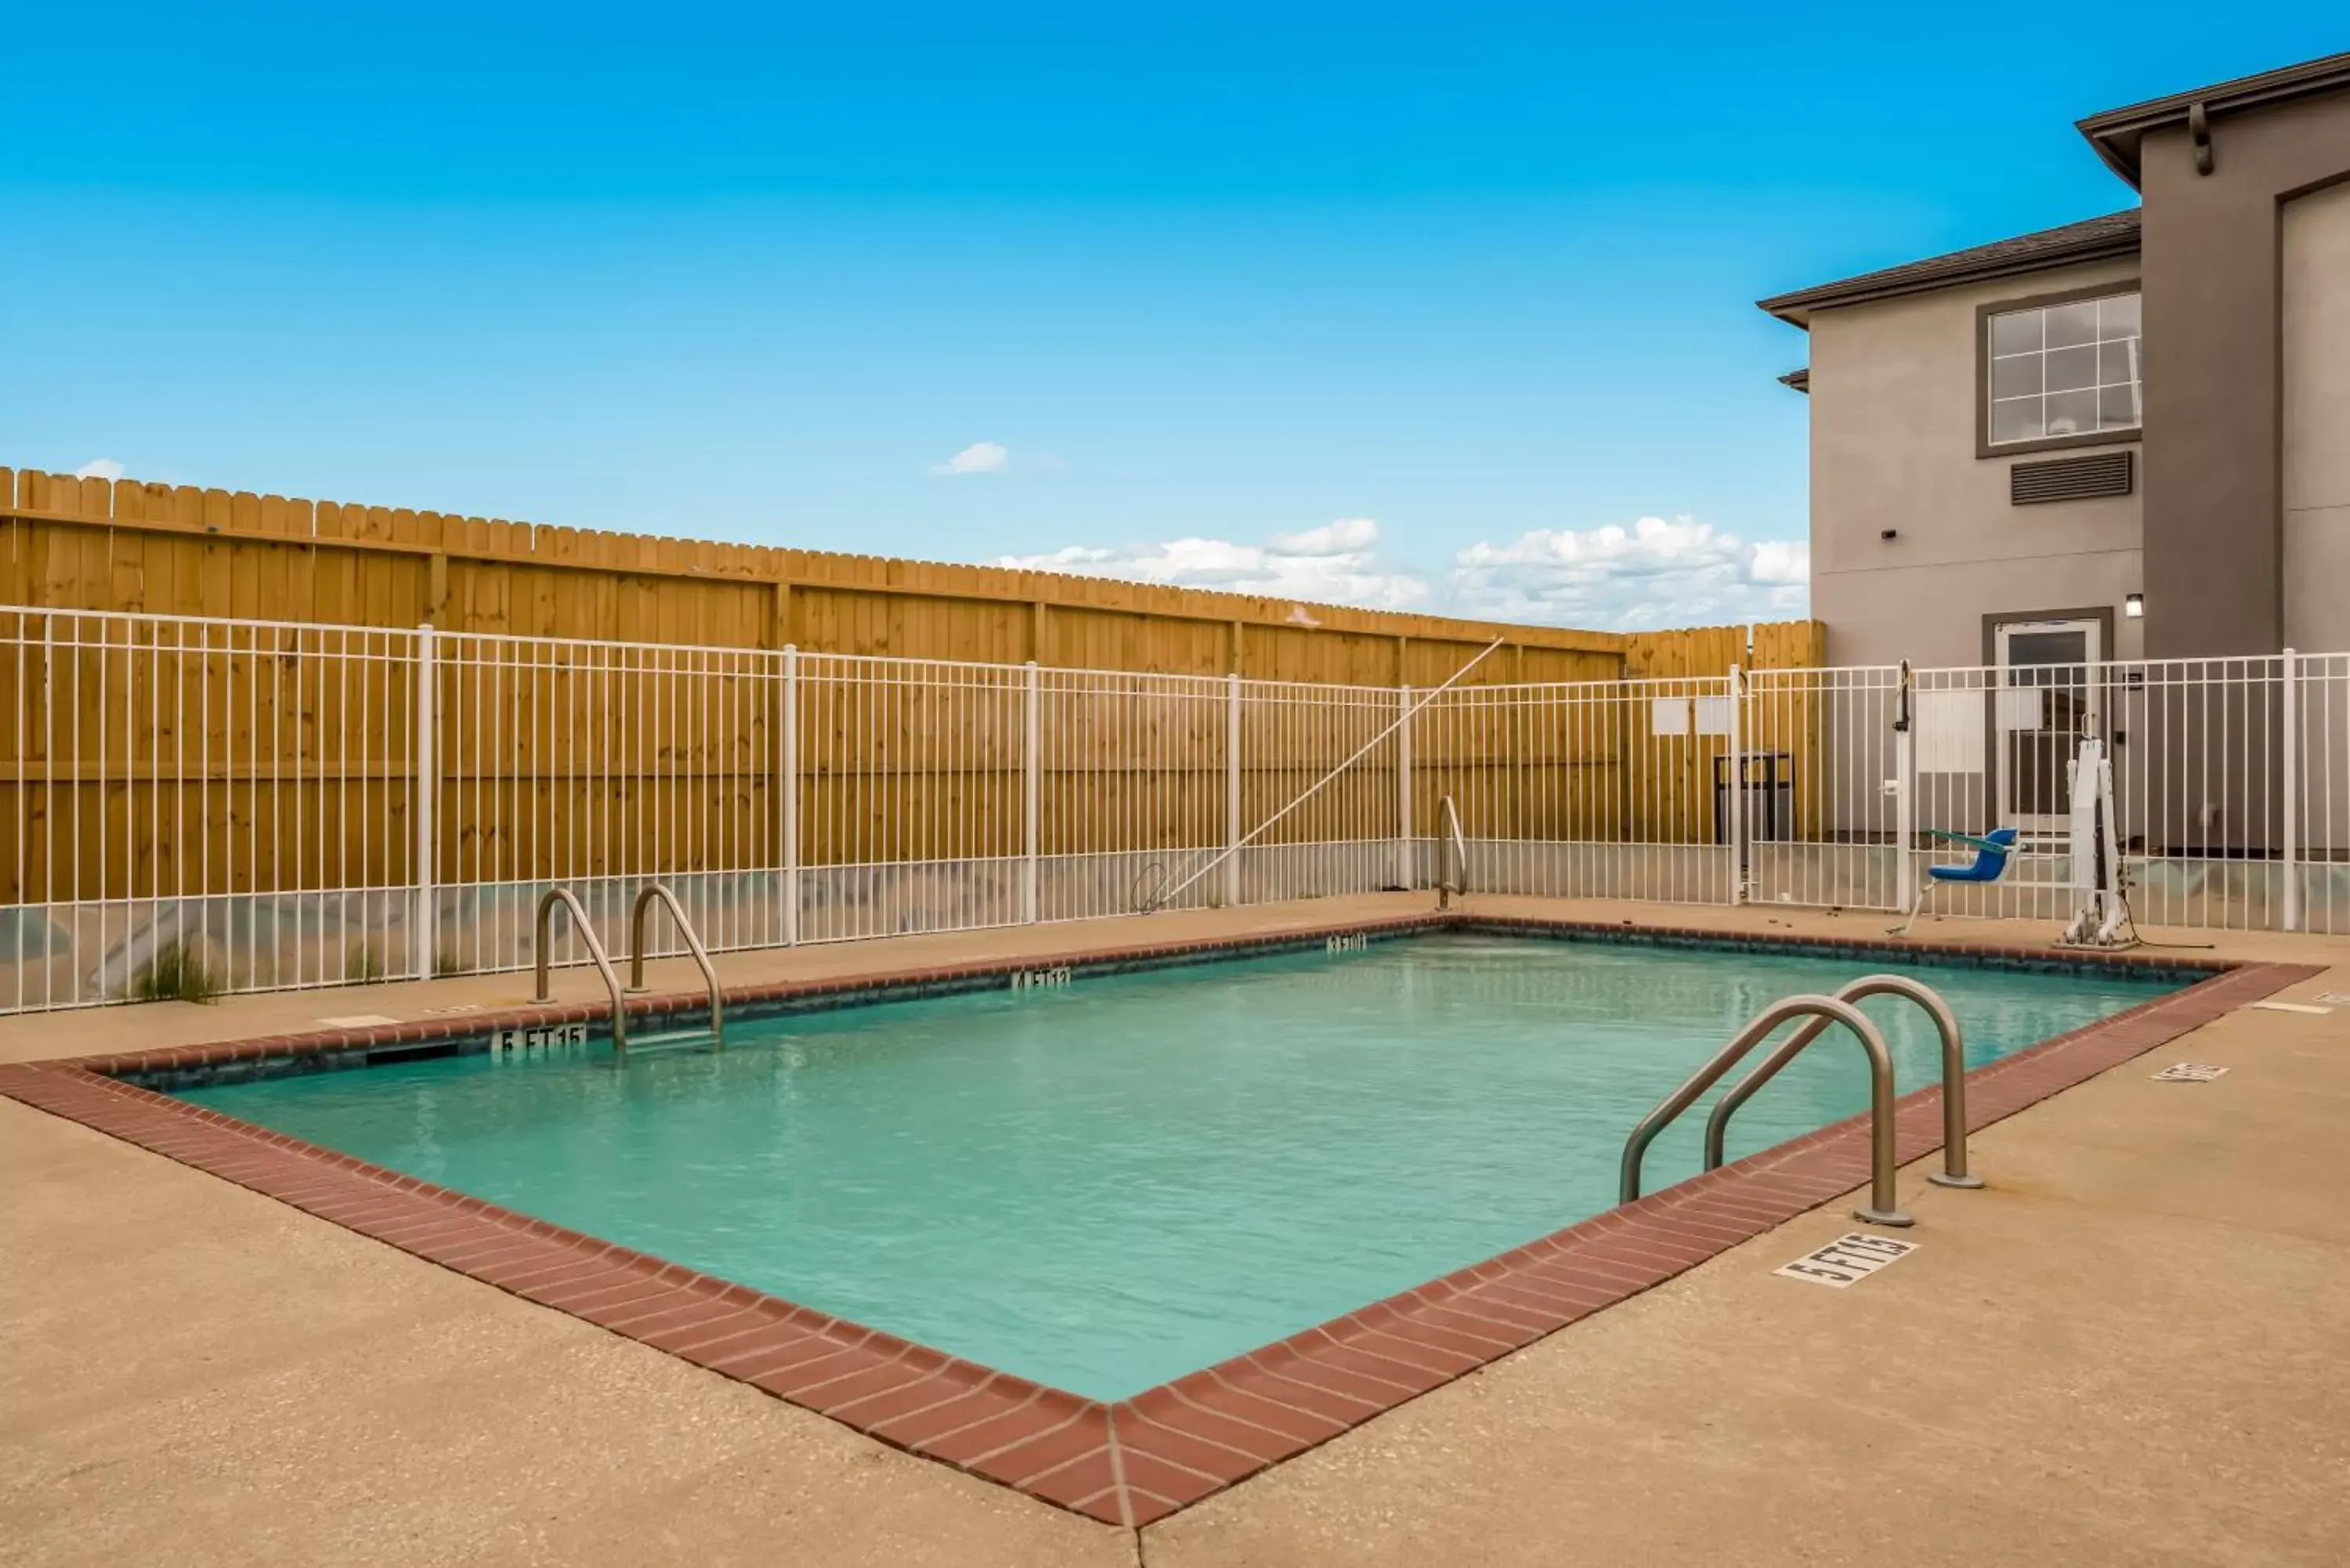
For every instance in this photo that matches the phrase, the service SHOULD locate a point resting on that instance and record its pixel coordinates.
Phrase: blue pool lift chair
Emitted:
(1992, 852)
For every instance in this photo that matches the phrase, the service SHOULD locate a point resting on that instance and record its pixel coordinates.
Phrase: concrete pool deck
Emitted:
(2125, 1349)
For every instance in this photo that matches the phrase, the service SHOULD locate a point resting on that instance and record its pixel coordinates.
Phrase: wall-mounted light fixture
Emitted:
(2134, 606)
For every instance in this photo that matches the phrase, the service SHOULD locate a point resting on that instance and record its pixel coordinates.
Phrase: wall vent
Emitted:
(2072, 478)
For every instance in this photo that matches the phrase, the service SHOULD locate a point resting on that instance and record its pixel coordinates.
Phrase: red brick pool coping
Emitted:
(1137, 1460)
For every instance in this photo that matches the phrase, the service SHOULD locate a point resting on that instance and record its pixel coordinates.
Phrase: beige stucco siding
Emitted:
(2316, 308)
(1893, 446)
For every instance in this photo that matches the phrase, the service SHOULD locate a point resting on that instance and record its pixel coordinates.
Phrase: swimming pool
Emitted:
(1104, 1186)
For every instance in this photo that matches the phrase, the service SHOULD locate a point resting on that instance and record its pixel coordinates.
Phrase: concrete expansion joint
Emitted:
(1118, 1478)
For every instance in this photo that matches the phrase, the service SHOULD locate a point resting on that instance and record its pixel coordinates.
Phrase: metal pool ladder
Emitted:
(645, 897)
(579, 923)
(1454, 878)
(1884, 1202)
(1954, 1074)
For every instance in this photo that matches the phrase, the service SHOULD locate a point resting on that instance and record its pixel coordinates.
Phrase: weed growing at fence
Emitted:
(177, 972)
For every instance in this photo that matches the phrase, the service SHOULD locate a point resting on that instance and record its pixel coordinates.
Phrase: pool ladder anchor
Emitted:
(543, 955)
(1883, 1205)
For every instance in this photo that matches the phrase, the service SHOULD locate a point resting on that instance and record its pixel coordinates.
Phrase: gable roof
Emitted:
(2096, 239)
(2117, 133)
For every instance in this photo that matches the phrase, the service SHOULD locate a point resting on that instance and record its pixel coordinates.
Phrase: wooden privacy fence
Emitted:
(309, 804)
(133, 547)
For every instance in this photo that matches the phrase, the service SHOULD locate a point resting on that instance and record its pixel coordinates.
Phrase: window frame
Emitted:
(1984, 446)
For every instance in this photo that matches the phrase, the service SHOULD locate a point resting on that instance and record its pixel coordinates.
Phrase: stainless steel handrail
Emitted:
(579, 923)
(1954, 1074)
(1449, 838)
(645, 896)
(1884, 1203)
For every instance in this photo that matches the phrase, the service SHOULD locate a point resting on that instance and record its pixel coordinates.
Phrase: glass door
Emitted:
(2047, 698)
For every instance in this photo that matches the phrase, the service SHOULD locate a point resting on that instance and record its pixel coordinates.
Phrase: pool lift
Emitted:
(2103, 919)
(1993, 851)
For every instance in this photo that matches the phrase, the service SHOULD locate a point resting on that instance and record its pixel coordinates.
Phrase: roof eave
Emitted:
(1795, 309)
(2125, 166)
(2117, 133)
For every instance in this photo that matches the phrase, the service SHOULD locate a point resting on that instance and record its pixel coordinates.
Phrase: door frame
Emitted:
(2099, 620)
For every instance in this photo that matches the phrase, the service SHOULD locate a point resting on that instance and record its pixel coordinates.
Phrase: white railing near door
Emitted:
(307, 805)
(2232, 785)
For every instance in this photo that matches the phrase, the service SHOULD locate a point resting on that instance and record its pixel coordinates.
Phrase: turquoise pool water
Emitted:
(1109, 1185)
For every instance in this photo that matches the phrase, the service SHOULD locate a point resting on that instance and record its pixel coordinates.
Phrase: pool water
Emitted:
(1105, 1186)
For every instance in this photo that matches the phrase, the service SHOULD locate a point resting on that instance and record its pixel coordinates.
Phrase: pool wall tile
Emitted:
(1136, 1462)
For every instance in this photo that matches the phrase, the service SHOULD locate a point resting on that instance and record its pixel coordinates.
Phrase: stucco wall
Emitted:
(1893, 446)
(2214, 267)
(2316, 311)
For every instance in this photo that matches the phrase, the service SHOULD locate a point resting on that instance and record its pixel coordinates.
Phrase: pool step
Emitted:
(672, 1040)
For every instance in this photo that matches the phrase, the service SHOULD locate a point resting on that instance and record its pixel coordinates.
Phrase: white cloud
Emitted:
(99, 467)
(979, 457)
(1347, 535)
(1653, 574)
(1789, 562)
(1336, 564)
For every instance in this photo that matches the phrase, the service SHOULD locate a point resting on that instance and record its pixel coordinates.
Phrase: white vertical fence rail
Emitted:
(286, 806)
(421, 727)
(1233, 826)
(788, 771)
(2289, 824)
(1407, 872)
(1733, 810)
(1031, 796)
(1904, 785)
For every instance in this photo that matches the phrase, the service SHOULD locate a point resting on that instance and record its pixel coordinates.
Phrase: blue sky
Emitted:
(1424, 304)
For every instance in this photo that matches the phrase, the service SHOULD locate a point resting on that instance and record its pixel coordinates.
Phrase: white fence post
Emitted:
(1905, 808)
(1031, 805)
(1232, 790)
(1405, 869)
(2289, 791)
(788, 781)
(1736, 765)
(421, 917)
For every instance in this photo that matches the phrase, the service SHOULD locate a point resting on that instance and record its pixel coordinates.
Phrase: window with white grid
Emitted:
(2069, 370)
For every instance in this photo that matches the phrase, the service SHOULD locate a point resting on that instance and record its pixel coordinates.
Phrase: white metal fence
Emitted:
(1598, 789)
(306, 805)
